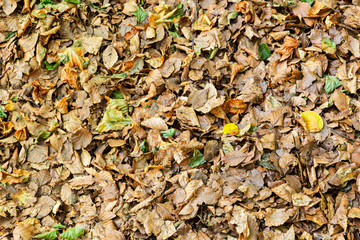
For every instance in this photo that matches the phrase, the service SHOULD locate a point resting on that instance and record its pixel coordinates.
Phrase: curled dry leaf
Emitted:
(301, 200)
(24, 231)
(287, 48)
(18, 176)
(235, 68)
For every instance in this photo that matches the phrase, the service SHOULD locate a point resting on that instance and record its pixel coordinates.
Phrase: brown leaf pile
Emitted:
(115, 117)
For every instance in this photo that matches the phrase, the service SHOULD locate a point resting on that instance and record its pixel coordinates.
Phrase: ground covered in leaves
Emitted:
(179, 119)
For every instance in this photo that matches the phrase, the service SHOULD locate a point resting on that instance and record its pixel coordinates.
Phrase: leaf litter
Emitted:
(179, 119)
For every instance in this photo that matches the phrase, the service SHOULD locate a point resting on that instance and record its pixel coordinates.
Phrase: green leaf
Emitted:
(43, 135)
(73, 233)
(197, 159)
(213, 52)
(267, 165)
(252, 128)
(52, 66)
(331, 83)
(48, 235)
(173, 34)
(144, 146)
(86, 64)
(2, 113)
(140, 14)
(15, 98)
(45, 2)
(96, 7)
(263, 51)
(231, 16)
(117, 94)
(59, 226)
(310, 2)
(290, 3)
(154, 150)
(197, 50)
(168, 133)
(73, 1)
(179, 12)
(9, 35)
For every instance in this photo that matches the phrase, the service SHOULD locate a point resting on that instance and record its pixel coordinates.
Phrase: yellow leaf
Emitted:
(203, 23)
(231, 128)
(313, 122)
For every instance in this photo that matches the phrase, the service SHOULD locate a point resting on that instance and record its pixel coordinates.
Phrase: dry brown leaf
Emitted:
(81, 138)
(287, 48)
(301, 200)
(276, 217)
(110, 56)
(156, 123)
(69, 75)
(24, 231)
(235, 68)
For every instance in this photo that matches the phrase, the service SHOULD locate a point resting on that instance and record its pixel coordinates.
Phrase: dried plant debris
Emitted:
(149, 119)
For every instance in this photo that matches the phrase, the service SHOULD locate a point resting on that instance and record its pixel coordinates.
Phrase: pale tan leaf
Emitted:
(91, 44)
(284, 191)
(23, 231)
(109, 56)
(301, 200)
(9, 6)
(276, 217)
(81, 138)
(79, 182)
(156, 123)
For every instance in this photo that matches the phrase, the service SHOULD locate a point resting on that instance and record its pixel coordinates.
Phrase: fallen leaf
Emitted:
(312, 121)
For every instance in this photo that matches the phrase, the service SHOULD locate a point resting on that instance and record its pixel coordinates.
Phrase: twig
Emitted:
(344, 136)
(194, 20)
(2, 75)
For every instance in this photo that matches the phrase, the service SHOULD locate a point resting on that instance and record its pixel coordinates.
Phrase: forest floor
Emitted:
(179, 119)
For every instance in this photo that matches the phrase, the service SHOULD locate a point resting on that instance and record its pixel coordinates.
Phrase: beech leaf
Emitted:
(313, 121)
(231, 129)
(140, 14)
(331, 83)
(197, 159)
(263, 51)
(48, 235)
(73, 233)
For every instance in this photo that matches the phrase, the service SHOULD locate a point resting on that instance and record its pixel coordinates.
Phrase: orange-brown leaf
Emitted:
(234, 106)
(69, 75)
(287, 48)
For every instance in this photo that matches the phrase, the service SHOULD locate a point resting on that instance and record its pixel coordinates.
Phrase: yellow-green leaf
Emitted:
(313, 122)
(113, 120)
